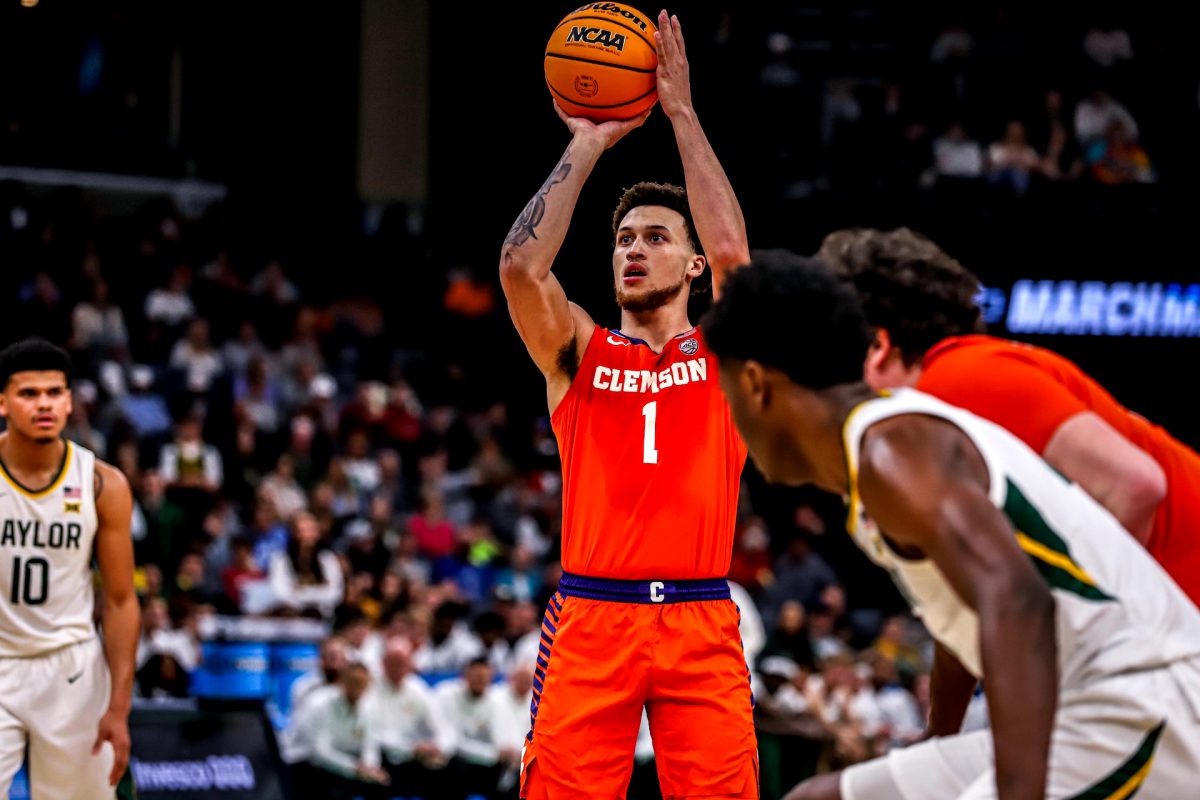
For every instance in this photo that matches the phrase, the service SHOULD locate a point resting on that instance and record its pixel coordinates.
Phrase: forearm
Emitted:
(1020, 662)
(715, 208)
(330, 758)
(536, 236)
(122, 621)
(950, 690)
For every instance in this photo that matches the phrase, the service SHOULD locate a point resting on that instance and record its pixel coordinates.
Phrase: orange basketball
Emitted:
(600, 62)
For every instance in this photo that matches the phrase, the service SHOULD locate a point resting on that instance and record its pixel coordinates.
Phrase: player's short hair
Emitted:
(790, 312)
(648, 193)
(908, 286)
(32, 355)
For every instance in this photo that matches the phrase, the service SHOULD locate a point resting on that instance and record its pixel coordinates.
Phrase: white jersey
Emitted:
(46, 589)
(1117, 610)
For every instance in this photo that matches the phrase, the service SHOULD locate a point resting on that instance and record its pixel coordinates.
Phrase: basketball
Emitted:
(600, 62)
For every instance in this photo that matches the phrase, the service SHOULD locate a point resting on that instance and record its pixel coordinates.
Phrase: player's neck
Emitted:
(656, 327)
(832, 470)
(23, 456)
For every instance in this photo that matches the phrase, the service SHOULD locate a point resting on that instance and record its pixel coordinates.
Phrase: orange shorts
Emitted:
(607, 649)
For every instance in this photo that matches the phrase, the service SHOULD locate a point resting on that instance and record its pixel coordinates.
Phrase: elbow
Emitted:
(1141, 493)
(1150, 489)
(513, 267)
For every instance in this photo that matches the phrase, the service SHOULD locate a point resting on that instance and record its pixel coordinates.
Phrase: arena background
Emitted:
(379, 151)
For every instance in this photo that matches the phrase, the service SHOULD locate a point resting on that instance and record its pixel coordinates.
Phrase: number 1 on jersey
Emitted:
(649, 454)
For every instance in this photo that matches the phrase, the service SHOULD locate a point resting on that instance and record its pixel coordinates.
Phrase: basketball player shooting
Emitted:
(1089, 653)
(62, 695)
(651, 469)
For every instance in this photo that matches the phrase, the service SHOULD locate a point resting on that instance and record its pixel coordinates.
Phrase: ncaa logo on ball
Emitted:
(689, 347)
(586, 85)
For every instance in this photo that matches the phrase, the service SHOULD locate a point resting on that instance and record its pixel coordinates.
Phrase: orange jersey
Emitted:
(651, 461)
(1031, 392)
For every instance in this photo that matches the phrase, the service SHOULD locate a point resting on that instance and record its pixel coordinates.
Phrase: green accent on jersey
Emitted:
(1047, 550)
(1124, 782)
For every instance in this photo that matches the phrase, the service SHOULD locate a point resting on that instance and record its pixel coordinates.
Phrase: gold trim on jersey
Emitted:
(854, 501)
(1040, 551)
(63, 469)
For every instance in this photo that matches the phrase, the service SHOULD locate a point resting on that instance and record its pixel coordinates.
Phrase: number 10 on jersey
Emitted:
(30, 581)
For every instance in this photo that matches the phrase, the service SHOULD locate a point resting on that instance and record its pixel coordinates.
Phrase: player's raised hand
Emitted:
(674, 81)
(114, 729)
(608, 133)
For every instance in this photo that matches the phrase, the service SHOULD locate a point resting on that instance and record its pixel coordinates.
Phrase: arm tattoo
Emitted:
(523, 229)
(97, 483)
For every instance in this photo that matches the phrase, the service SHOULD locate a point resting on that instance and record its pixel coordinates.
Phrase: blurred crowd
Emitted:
(271, 480)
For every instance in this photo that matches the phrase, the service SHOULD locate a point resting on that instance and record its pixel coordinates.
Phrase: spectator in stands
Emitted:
(1094, 116)
(361, 467)
(332, 658)
(170, 306)
(800, 574)
(144, 409)
(190, 462)
(161, 637)
(433, 533)
(902, 722)
(365, 552)
(1107, 45)
(273, 286)
(238, 352)
(955, 155)
(1119, 159)
(410, 736)
(481, 726)
(307, 577)
(97, 324)
(257, 398)
(893, 644)
(489, 627)
(451, 645)
(1012, 161)
(1062, 159)
(196, 359)
(790, 637)
(338, 725)
(242, 572)
(281, 488)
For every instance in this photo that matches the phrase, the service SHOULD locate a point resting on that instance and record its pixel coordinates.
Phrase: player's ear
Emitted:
(697, 266)
(757, 385)
(880, 351)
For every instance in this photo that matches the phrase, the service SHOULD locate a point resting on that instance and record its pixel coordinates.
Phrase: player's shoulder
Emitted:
(109, 480)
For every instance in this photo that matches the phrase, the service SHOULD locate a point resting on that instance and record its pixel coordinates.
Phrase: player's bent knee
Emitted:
(821, 787)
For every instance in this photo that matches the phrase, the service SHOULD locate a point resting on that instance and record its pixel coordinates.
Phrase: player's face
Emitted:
(755, 404)
(36, 404)
(653, 262)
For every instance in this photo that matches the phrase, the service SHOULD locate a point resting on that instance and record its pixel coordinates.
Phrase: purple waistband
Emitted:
(651, 592)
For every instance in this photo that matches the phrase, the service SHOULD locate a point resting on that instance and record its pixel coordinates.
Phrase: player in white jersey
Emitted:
(63, 694)
(1089, 653)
